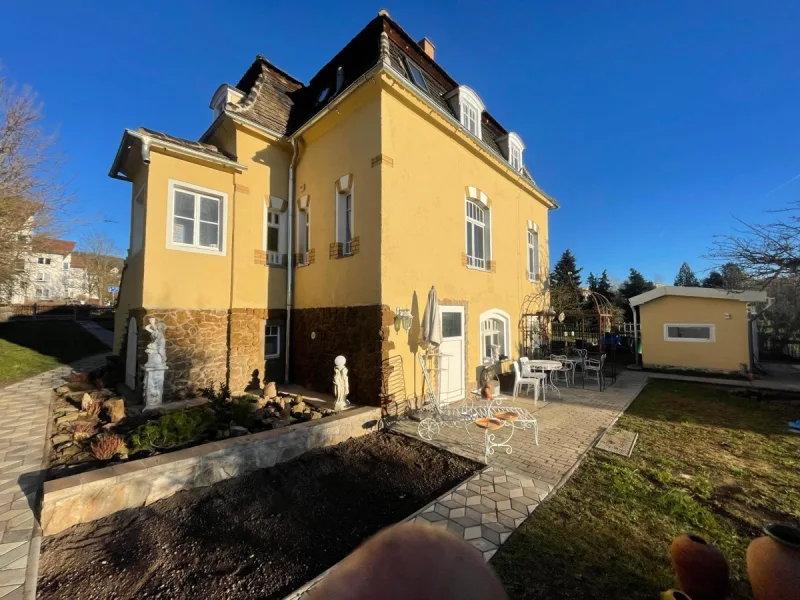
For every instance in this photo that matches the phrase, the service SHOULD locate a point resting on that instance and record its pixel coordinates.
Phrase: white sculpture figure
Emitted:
(156, 365)
(156, 349)
(341, 385)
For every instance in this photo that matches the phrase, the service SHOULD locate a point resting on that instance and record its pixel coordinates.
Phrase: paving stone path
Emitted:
(567, 429)
(24, 412)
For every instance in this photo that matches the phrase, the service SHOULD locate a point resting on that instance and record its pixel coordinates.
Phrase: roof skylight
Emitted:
(416, 75)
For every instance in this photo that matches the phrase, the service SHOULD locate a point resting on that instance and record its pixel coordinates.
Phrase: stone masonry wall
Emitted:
(89, 496)
(196, 344)
(246, 343)
(359, 333)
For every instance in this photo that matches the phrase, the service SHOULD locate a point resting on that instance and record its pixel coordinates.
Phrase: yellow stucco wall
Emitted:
(340, 143)
(179, 278)
(727, 353)
(131, 286)
(423, 227)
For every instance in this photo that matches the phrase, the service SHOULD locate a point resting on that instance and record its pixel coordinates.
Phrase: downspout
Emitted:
(635, 335)
(290, 261)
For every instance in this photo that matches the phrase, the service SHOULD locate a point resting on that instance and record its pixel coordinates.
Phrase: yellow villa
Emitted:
(309, 217)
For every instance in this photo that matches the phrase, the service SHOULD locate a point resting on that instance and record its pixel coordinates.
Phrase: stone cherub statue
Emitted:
(341, 385)
(156, 349)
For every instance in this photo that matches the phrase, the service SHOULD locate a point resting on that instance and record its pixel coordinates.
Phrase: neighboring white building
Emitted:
(53, 272)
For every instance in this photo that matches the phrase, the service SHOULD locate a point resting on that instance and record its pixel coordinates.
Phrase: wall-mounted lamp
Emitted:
(402, 318)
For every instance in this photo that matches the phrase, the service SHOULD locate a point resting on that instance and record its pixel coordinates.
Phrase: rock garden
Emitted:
(261, 535)
(93, 427)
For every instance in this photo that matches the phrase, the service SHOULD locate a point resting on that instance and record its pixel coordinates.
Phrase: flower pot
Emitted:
(773, 563)
(701, 568)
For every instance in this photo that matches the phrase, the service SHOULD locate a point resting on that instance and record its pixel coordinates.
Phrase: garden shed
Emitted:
(697, 328)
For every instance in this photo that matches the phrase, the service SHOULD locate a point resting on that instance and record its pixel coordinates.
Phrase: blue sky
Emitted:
(653, 123)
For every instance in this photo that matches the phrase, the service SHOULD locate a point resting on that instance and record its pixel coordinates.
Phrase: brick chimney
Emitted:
(427, 47)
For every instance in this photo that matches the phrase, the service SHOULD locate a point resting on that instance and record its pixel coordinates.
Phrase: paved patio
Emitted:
(567, 429)
(24, 412)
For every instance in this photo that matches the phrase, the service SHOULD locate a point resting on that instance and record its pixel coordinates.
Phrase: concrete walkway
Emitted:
(757, 384)
(24, 415)
(567, 429)
(101, 333)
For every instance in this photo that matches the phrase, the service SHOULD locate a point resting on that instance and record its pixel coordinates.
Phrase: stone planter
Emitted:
(773, 563)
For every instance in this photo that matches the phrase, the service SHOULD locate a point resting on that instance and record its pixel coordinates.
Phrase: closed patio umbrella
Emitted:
(431, 326)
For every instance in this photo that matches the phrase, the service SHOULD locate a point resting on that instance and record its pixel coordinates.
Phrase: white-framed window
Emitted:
(303, 234)
(43, 277)
(478, 222)
(533, 255)
(515, 157)
(196, 219)
(344, 220)
(495, 335)
(42, 293)
(43, 261)
(272, 341)
(689, 332)
(470, 117)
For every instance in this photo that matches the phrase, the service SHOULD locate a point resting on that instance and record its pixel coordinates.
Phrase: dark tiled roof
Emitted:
(53, 246)
(208, 149)
(277, 101)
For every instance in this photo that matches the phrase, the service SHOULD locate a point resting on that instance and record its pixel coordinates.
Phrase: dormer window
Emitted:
(416, 75)
(323, 95)
(512, 146)
(469, 108)
(225, 94)
(339, 79)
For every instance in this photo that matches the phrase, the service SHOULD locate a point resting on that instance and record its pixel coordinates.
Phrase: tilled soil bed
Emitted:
(258, 536)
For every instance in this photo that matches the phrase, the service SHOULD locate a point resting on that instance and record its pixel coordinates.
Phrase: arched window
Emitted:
(495, 335)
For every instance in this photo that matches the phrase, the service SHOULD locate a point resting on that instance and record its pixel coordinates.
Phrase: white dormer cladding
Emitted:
(469, 108)
(512, 147)
(224, 94)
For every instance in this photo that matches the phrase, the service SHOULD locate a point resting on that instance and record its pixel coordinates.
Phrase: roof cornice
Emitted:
(698, 292)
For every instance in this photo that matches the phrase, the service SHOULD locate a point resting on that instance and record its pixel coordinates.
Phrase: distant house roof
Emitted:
(698, 292)
(53, 246)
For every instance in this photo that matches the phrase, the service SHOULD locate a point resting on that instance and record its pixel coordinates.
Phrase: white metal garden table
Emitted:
(547, 365)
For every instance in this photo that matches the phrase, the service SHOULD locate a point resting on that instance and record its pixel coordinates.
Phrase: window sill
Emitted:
(272, 356)
(196, 249)
(481, 269)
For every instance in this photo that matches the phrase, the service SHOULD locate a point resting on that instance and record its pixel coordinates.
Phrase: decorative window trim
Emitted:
(711, 331)
(466, 96)
(344, 188)
(535, 269)
(222, 249)
(302, 255)
(505, 319)
(510, 142)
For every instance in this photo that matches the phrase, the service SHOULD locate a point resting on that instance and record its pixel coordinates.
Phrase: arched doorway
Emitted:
(130, 355)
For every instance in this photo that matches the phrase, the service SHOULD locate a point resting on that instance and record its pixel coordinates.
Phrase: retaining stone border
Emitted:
(96, 494)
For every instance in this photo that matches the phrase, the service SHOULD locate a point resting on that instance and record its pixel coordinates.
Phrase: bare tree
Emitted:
(102, 263)
(764, 252)
(32, 197)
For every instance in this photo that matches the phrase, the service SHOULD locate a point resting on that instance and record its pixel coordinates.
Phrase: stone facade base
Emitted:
(360, 333)
(97, 494)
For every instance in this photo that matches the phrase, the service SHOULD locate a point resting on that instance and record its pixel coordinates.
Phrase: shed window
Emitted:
(688, 332)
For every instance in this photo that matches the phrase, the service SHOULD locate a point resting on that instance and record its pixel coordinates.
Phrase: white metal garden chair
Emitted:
(522, 380)
(594, 365)
(567, 368)
(535, 372)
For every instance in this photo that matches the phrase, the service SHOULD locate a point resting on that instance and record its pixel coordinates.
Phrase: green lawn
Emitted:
(707, 461)
(30, 347)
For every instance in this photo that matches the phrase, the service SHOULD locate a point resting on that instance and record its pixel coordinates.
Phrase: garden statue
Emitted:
(156, 365)
(341, 385)
(156, 349)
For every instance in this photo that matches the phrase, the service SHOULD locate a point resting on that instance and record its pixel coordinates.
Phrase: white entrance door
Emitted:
(453, 352)
(130, 355)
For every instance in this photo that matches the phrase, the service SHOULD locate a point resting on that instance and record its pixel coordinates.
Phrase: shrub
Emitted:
(173, 429)
(94, 408)
(242, 409)
(218, 399)
(82, 429)
(107, 446)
